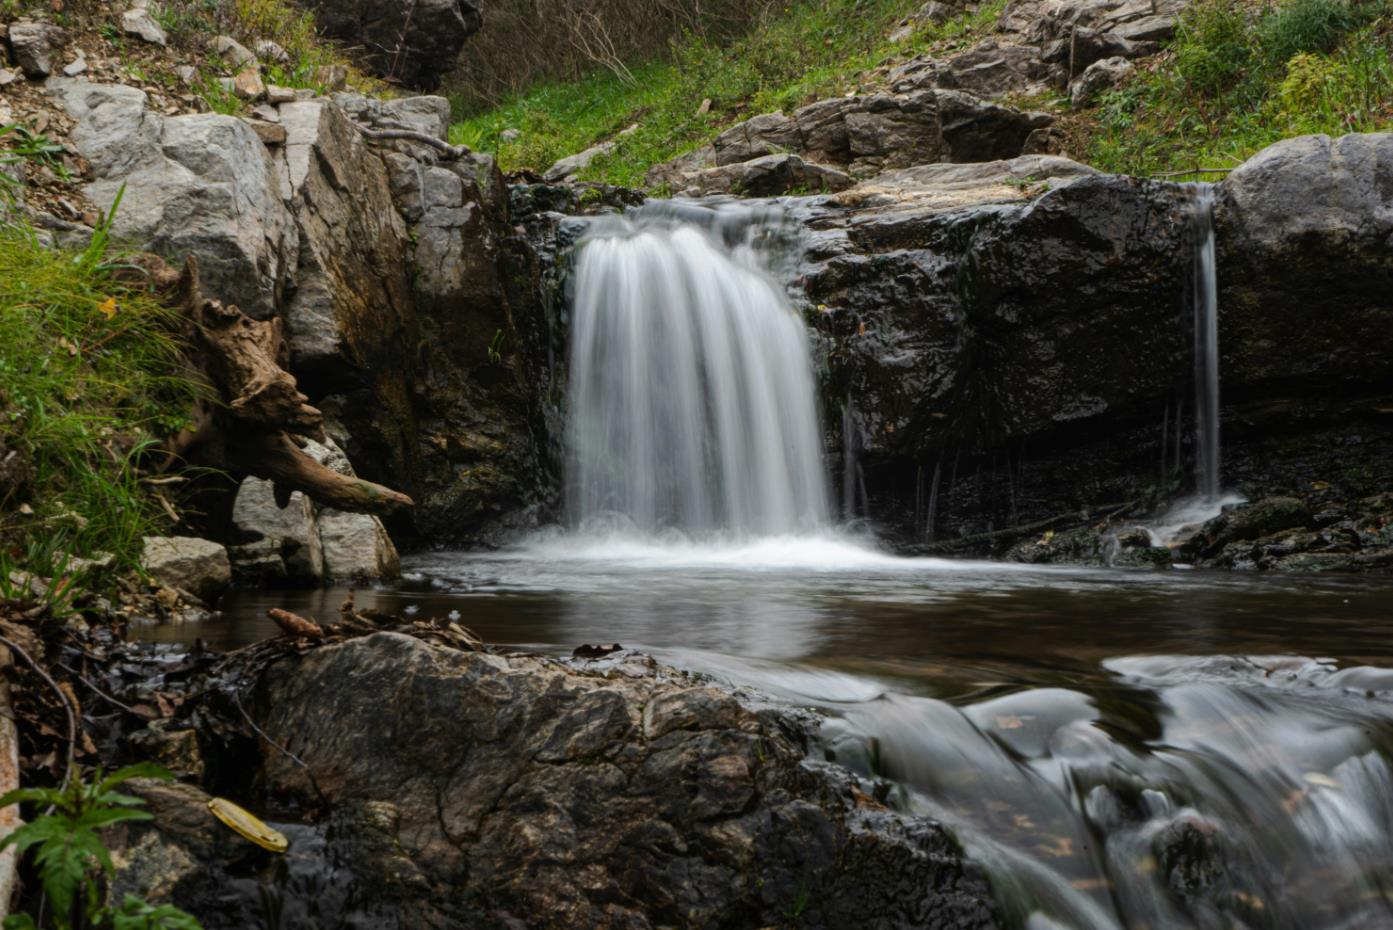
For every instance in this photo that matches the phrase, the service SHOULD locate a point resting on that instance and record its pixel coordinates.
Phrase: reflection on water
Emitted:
(1118, 749)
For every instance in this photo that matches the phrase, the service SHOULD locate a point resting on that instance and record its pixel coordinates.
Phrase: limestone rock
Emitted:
(186, 563)
(75, 67)
(1098, 77)
(36, 46)
(356, 546)
(413, 44)
(572, 165)
(351, 308)
(233, 53)
(248, 85)
(274, 543)
(200, 184)
(269, 51)
(138, 22)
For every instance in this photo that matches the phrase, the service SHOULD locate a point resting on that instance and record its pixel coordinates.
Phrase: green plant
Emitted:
(1304, 26)
(496, 348)
(18, 144)
(91, 373)
(72, 861)
(1213, 48)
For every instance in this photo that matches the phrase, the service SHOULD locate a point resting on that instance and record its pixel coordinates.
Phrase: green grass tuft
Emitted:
(1245, 78)
(90, 375)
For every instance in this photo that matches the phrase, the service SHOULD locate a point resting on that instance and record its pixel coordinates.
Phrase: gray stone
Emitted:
(233, 53)
(276, 95)
(572, 165)
(356, 546)
(272, 52)
(353, 292)
(1096, 78)
(768, 176)
(201, 184)
(271, 543)
(36, 46)
(186, 563)
(75, 67)
(139, 23)
(510, 135)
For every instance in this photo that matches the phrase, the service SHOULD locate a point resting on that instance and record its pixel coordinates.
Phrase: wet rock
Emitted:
(36, 46)
(356, 546)
(202, 185)
(615, 797)
(1096, 78)
(1249, 522)
(1189, 855)
(414, 45)
(186, 563)
(139, 23)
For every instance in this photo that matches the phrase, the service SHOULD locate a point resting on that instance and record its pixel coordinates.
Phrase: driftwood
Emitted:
(411, 135)
(263, 420)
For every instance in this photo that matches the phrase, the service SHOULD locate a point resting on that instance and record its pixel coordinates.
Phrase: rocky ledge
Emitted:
(442, 787)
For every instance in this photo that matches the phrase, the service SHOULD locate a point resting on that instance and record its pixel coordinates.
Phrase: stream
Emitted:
(1117, 748)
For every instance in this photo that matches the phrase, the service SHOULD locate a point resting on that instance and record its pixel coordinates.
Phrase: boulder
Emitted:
(567, 168)
(202, 185)
(350, 316)
(139, 23)
(233, 53)
(413, 44)
(614, 795)
(274, 544)
(36, 46)
(186, 563)
(1096, 78)
(355, 546)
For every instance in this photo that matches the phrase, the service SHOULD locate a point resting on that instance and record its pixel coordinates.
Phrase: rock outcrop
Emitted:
(414, 44)
(184, 563)
(856, 136)
(523, 791)
(1010, 366)
(403, 286)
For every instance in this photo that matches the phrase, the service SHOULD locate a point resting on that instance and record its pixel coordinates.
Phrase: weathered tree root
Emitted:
(259, 427)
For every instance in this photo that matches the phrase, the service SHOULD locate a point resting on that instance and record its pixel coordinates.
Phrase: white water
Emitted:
(1209, 500)
(692, 393)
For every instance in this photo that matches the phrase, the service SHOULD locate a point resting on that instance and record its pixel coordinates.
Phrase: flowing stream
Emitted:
(1118, 749)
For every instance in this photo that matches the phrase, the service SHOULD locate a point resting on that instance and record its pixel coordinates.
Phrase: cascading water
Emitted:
(1206, 349)
(1208, 500)
(692, 393)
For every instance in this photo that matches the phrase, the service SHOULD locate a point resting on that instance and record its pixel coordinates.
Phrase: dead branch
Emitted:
(411, 135)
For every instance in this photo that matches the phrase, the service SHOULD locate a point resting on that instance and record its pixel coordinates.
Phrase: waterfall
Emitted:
(692, 396)
(1206, 299)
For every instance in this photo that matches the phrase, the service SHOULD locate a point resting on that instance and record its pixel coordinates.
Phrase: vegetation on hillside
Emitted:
(1240, 77)
(818, 48)
(90, 374)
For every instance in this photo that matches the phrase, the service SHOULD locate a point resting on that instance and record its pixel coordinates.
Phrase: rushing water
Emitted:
(692, 399)
(1117, 749)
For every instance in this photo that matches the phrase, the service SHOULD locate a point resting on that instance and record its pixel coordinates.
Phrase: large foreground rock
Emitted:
(518, 791)
(412, 43)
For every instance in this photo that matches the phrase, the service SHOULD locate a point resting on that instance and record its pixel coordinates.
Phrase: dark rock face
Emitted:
(524, 792)
(856, 135)
(1005, 368)
(412, 43)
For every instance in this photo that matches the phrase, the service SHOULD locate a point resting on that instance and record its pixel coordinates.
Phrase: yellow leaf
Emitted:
(109, 307)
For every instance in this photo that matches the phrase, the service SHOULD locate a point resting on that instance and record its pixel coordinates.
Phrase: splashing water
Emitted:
(692, 392)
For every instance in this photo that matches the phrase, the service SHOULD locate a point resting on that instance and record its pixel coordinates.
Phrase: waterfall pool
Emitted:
(1118, 748)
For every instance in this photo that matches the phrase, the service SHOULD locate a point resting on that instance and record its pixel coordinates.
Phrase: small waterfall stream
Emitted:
(1206, 298)
(692, 392)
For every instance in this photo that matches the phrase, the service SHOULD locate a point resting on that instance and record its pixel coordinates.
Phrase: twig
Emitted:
(411, 135)
(99, 692)
(67, 708)
(277, 746)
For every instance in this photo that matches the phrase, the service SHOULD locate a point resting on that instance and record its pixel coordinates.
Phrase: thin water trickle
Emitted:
(1206, 299)
(692, 398)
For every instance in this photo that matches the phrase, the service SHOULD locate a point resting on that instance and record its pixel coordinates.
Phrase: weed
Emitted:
(73, 862)
(90, 374)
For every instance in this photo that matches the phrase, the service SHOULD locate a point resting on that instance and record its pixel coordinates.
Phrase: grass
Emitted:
(90, 375)
(818, 48)
(1239, 78)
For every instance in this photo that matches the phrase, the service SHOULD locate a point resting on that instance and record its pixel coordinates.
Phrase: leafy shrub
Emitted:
(1213, 49)
(72, 861)
(1304, 26)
